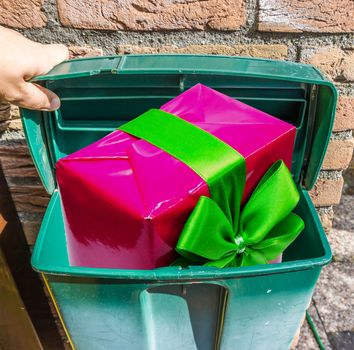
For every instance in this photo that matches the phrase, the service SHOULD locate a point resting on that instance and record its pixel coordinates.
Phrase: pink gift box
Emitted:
(125, 201)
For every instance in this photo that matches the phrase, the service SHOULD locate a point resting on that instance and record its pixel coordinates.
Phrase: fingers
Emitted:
(33, 96)
(52, 55)
(22, 59)
(56, 53)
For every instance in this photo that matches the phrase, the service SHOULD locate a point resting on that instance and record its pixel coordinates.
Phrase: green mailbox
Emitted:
(258, 307)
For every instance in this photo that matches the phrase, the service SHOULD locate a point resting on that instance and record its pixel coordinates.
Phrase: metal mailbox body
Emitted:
(258, 307)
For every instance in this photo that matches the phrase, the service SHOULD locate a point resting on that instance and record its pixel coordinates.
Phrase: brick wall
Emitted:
(320, 33)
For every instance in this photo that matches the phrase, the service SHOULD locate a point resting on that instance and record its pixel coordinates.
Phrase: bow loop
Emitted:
(195, 244)
(266, 226)
(272, 200)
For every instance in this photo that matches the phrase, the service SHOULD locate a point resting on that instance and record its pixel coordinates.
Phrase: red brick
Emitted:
(327, 192)
(22, 13)
(339, 154)
(336, 63)
(15, 125)
(306, 16)
(4, 125)
(16, 161)
(9, 117)
(5, 111)
(152, 15)
(276, 51)
(84, 51)
(29, 199)
(345, 114)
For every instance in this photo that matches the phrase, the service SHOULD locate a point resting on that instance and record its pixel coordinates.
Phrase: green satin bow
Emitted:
(216, 233)
(266, 227)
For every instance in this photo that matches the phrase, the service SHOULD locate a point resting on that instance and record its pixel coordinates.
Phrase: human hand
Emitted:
(20, 60)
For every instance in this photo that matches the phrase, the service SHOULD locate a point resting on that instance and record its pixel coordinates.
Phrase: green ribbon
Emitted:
(267, 226)
(215, 233)
(218, 164)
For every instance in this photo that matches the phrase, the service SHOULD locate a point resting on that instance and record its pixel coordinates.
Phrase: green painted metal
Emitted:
(50, 255)
(258, 307)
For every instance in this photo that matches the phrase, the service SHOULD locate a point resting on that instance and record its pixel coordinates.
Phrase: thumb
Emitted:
(34, 96)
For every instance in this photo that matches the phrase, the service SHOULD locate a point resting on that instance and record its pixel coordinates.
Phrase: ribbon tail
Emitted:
(280, 237)
(207, 234)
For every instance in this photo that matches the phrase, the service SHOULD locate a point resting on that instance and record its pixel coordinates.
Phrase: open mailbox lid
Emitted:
(100, 94)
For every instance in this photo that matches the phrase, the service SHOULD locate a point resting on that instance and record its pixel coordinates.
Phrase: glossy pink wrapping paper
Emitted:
(126, 201)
